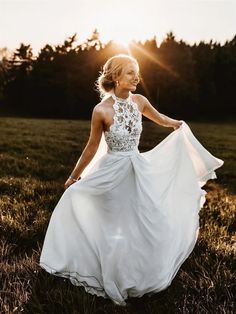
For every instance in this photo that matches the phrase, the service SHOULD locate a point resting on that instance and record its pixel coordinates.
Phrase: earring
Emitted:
(117, 83)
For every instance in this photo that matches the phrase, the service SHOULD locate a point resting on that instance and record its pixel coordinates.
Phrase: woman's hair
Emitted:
(112, 70)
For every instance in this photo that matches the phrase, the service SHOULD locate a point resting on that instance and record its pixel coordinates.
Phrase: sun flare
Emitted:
(124, 41)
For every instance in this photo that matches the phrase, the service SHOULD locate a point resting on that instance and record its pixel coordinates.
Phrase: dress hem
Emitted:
(93, 290)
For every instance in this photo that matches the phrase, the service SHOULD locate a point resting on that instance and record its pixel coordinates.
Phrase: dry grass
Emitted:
(36, 158)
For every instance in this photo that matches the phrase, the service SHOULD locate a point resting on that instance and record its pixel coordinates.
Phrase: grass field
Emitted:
(36, 158)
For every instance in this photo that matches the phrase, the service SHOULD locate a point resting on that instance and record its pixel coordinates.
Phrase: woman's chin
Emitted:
(133, 87)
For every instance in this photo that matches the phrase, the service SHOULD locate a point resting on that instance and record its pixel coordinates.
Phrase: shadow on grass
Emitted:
(204, 284)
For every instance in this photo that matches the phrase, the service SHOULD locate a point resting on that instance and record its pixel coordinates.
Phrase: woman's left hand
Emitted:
(177, 125)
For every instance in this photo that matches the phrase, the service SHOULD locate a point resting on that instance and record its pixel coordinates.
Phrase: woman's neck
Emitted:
(124, 94)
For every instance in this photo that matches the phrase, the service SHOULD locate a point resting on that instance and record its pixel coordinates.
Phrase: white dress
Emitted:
(126, 227)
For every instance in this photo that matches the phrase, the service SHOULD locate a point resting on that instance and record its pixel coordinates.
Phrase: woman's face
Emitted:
(130, 77)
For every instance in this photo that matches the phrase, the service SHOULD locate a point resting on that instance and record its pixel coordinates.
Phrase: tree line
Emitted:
(185, 81)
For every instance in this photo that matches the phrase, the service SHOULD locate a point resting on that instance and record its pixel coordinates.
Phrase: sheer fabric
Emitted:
(127, 226)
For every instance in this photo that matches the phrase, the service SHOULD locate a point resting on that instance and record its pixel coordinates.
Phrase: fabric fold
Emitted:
(127, 226)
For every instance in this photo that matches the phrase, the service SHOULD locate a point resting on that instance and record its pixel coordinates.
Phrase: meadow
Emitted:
(37, 156)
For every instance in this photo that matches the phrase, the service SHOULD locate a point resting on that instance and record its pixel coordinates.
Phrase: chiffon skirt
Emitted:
(126, 227)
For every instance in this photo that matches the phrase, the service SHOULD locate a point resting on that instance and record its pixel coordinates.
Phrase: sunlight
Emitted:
(155, 60)
(123, 41)
(115, 20)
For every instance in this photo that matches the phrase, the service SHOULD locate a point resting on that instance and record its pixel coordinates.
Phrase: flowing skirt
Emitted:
(125, 229)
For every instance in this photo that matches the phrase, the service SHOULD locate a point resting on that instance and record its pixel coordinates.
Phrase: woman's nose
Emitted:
(136, 78)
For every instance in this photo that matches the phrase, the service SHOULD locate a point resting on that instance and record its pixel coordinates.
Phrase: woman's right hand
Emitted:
(69, 182)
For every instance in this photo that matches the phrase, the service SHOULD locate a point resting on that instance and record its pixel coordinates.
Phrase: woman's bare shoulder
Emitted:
(140, 99)
(101, 110)
(103, 105)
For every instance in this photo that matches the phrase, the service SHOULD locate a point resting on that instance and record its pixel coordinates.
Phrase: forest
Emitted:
(195, 82)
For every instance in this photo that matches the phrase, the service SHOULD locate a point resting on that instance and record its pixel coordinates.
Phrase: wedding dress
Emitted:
(128, 225)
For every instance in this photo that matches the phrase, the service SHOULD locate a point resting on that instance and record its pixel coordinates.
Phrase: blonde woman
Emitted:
(128, 220)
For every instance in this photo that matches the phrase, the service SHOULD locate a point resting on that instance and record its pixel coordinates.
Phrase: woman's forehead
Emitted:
(132, 66)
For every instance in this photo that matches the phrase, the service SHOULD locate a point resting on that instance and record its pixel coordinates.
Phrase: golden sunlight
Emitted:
(124, 41)
(121, 21)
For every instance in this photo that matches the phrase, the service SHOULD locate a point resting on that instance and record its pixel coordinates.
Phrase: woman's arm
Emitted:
(91, 146)
(151, 113)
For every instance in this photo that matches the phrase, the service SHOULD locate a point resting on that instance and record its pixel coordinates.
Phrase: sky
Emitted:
(41, 22)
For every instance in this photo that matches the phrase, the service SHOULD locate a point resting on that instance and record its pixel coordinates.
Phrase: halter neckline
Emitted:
(120, 99)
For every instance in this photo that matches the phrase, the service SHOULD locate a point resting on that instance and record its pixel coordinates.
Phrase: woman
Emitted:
(125, 228)
(111, 80)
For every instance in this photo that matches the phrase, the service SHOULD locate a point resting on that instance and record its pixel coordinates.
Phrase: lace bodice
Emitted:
(124, 133)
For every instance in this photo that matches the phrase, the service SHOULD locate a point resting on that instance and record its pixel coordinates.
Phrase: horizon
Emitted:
(77, 43)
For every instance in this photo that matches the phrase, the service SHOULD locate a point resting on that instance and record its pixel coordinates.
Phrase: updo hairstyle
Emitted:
(112, 70)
